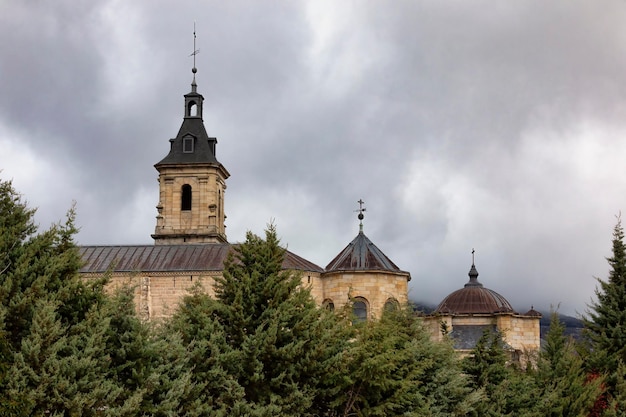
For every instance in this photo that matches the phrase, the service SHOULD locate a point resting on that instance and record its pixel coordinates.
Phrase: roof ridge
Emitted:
(362, 254)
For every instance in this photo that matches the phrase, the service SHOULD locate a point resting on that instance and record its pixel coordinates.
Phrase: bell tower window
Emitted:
(185, 200)
(192, 109)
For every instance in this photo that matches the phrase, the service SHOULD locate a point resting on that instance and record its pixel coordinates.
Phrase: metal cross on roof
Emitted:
(360, 211)
(193, 54)
(195, 51)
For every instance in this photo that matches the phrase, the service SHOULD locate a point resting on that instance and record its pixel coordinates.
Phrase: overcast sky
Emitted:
(498, 126)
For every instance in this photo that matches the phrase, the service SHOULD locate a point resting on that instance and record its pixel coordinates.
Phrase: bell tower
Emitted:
(192, 182)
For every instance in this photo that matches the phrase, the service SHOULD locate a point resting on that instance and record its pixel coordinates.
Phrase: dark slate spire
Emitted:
(361, 254)
(192, 144)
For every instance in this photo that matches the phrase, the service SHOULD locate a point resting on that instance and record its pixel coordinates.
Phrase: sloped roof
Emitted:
(203, 146)
(361, 255)
(533, 313)
(170, 258)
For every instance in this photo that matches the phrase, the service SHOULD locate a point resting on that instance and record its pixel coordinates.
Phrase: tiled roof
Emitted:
(170, 258)
(361, 254)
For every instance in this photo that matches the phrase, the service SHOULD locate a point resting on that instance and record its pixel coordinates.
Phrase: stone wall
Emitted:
(313, 281)
(522, 333)
(205, 221)
(375, 287)
(158, 294)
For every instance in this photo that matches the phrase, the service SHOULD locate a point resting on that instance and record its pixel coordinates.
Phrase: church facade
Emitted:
(190, 243)
(190, 246)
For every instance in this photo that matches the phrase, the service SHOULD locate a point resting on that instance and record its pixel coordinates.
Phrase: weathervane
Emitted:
(193, 54)
(473, 256)
(360, 216)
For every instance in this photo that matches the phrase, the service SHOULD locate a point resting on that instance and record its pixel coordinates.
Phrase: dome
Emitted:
(473, 298)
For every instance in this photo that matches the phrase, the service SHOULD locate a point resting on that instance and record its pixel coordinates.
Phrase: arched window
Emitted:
(192, 109)
(390, 305)
(328, 304)
(359, 309)
(185, 201)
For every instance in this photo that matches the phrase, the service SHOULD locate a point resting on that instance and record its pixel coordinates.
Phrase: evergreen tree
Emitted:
(263, 337)
(49, 364)
(213, 363)
(60, 370)
(563, 383)
(262, 347)
(617, 406)
(68, 349)
(605, 324)
(34, 265)
(148, 366)
(284, 344)
(110, 363)
(394, 368)
(507, 389)
(486, 365)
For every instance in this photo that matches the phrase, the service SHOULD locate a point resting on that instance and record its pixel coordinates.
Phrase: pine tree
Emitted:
(61, 370)
(394, 368)
(617, 406)
(605, 324)
(148, 366)
(486, 365)
(213, 363)
(33, 265)
(51, 363)
(507, 389)
(263, 337)
(284, 343)
(564, 388)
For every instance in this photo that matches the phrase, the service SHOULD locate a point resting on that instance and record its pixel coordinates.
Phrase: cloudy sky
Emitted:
(498, 126)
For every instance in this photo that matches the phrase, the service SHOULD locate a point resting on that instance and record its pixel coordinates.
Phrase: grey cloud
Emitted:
(464, 124)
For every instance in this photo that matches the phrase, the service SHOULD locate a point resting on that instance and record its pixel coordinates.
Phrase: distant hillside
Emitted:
(424, 308)
(573, 325)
